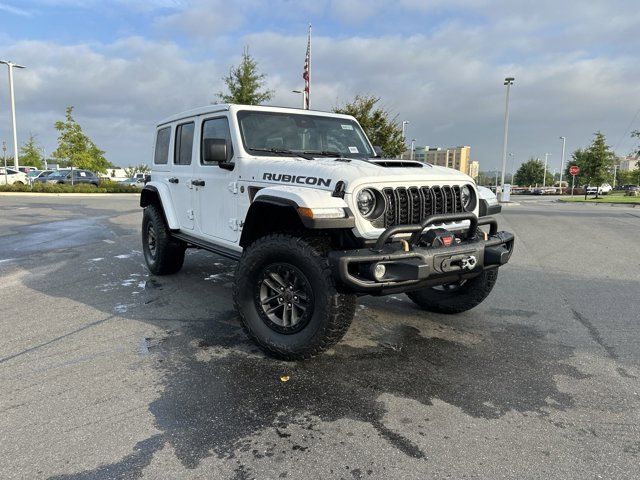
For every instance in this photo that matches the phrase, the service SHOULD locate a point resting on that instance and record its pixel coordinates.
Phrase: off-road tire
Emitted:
(168, 256)
(332, 310)
(465, 297)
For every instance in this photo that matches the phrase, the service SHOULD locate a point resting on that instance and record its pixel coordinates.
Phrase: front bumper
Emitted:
(409, 266)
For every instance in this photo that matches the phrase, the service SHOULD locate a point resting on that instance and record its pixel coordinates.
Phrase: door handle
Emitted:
(197, 183)
(173, 180)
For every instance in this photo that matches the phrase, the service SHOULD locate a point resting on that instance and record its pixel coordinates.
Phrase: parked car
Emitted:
(26, 170)
(79, 176)
(13, 176)
(37, 176)
(134, 182)
(602, 189)
(633, 191)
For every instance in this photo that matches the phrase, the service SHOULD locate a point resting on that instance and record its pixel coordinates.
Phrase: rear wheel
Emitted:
(456, 297)
(287, 299)
(164, 255)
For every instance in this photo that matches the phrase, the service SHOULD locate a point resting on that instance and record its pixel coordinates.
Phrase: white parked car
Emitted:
(13, 176)
(315, 217)
(602, 189)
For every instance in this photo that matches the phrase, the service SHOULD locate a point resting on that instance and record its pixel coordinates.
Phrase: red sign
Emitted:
(574, 170)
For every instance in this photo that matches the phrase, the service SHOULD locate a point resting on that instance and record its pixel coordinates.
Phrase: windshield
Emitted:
(266, 133)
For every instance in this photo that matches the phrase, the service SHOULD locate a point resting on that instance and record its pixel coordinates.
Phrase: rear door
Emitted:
(180, 184)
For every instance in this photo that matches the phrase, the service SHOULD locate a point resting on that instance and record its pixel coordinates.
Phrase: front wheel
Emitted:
(287, 299)
(456, 297)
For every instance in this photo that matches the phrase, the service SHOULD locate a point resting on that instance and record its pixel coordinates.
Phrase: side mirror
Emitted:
(214, 151)
(378, 150)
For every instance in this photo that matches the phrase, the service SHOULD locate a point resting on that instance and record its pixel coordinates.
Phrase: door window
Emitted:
(217, 128)
(184, 144)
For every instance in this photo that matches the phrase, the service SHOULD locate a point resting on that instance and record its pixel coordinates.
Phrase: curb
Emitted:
(608, 204)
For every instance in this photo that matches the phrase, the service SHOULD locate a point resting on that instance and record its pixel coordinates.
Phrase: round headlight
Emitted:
(468, 198)
(366, 202)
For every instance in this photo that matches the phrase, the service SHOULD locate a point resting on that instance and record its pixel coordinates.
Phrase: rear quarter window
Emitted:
(161, 154)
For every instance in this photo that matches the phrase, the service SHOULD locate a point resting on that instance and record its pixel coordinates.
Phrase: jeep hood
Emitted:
(326, 172)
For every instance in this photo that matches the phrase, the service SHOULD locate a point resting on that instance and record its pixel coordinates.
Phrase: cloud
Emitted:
(437, 64)
(4, 7)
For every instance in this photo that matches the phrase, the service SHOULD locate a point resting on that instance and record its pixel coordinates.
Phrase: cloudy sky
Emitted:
(125, 64)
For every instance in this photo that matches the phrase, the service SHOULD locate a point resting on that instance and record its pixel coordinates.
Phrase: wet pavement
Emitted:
(108, 372)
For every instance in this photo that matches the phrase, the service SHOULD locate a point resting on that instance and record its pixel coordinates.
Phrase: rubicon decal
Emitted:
(299, 179)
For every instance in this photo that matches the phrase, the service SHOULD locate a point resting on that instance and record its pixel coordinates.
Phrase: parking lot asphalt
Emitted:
(108, 372)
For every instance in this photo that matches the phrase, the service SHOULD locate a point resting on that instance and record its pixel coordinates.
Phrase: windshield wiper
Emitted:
(281, 151)
(323, 153)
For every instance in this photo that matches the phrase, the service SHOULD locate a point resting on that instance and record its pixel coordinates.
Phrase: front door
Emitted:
(180, 180)
(216, 195)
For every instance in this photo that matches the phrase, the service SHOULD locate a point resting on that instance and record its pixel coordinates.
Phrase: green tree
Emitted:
(30, 153)
(595, 163)
(531, 173)
(142, 168)
(245, 83)
(382, 129)
(77, 150)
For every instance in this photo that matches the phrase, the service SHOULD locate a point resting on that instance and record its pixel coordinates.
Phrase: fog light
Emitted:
(378, 271)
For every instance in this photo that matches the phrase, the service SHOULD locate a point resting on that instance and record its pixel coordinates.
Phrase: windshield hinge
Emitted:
(233, 187)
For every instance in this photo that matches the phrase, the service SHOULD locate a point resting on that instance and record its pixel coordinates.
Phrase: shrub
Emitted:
(105, 187)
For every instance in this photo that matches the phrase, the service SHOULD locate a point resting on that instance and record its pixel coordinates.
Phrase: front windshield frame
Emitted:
(349, 125)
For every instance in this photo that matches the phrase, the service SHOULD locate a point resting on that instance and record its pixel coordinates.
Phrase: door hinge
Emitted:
(233, 187)
(190, 214)
(233, 224)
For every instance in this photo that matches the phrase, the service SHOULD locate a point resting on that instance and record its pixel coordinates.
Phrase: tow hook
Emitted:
(459, 262)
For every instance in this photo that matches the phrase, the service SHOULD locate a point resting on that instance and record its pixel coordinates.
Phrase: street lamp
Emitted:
(564, 140)
(10, 65)
(300, 92)
(413, 147)
(544, 179)
(507, 82)
(404, 124)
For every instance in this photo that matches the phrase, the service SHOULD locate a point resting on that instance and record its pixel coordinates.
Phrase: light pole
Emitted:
(511, 164)
(10, 65)
(615, 171)
(302, 93)
(564, 140)
(544, 179)
(4, 156)
(413, 147)
(404, 124)
(507, 82)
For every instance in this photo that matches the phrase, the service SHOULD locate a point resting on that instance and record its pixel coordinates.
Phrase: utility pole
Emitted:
(507, 82)
(544, 179)
(615, 171)
(564, 140)
(413, 147)
(10, 65)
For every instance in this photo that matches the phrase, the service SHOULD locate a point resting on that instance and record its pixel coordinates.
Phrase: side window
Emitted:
(161, 154)
(217, 128)
(184, 144)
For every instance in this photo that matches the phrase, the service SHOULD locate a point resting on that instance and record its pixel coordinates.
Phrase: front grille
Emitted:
(408, 205)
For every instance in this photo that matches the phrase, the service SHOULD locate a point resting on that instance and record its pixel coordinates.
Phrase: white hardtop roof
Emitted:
(194, 112)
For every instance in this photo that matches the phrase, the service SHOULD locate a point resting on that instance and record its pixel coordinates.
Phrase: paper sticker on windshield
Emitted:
(346, 127)
(353, 149)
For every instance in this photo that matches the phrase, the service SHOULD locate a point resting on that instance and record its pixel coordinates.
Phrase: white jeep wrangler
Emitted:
(315, 217)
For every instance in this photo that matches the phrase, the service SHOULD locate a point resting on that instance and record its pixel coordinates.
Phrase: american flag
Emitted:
(305, 73)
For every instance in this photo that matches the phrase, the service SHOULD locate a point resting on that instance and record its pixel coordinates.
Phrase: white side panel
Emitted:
(167, 204)
(303, 197)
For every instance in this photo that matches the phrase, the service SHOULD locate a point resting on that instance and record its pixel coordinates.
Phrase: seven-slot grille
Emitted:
(408, 205)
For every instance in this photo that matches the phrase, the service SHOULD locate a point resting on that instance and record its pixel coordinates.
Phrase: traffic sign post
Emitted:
(573, 170)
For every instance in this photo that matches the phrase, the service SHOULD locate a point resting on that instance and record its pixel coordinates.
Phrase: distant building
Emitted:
(474, 169)
(630, 163)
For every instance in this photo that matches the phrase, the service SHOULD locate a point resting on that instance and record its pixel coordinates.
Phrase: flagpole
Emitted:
(306, 72)
(309, 89)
